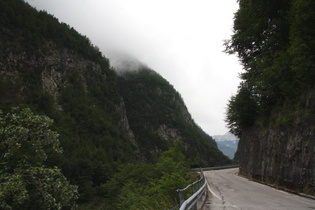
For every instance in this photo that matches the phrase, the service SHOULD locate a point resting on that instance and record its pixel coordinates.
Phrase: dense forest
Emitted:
(71, 134)
(273, 111)
(274, 41)
(163, 113)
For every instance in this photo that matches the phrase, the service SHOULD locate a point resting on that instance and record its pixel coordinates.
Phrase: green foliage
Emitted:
(241, 111)
(84, 108)
(275, 43)
(25, 137)
(149, 186)
(26, 183)
(152, 102)
(90, 135)
(38, 27)
(172, 160)
(302, 41)
(36, 187)
(87, 109)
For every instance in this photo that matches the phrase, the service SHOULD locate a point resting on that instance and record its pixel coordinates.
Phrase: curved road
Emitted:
(230, 191)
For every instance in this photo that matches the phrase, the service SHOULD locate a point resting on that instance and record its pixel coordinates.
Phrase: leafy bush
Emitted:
(25, 182)
(149, 186)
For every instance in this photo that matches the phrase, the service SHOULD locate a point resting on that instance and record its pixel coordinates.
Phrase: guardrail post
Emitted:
(194, 187)
(200, 185)
(181, 197)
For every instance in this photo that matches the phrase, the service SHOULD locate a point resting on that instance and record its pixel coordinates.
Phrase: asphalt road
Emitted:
(230, 191)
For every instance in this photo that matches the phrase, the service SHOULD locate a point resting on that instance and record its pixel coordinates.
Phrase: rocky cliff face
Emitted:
(159, 117)
(58, 65)
(53, 70)
(102, 120)
(283, 154)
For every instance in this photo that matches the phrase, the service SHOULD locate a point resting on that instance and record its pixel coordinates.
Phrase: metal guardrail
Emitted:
(218, 167)
(198, 188)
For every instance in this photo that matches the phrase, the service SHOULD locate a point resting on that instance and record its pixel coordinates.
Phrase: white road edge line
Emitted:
(218, 197)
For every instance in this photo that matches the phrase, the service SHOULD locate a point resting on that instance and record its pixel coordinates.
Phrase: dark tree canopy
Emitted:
(52, 69)
(25, 182)
(274, 41)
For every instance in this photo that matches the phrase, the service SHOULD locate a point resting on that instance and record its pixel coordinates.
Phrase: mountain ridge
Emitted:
(225, 137)
(170, 120)
(52, 69)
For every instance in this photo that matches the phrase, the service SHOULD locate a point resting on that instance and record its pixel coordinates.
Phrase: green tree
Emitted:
(173, 161)
(150, 186)
(25, 182)
(302, 42)
(241, 111)
(275, 43)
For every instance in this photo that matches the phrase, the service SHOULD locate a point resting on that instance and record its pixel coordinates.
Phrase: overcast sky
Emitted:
(180, 39)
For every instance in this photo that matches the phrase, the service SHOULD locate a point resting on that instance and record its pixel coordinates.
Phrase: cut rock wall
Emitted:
(282, 155)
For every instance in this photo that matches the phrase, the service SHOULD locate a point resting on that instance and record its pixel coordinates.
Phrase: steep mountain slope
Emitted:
(159, 117)
(51, 68)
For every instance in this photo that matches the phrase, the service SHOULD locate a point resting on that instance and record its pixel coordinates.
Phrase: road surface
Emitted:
(230, 191)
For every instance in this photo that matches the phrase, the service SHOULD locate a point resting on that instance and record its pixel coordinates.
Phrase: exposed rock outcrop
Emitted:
(168, 134)
(123, 124)
(159, 117)
(283, 154)
(59, 64)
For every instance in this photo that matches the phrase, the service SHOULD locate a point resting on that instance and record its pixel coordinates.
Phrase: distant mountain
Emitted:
(227, 143)
(226, 137)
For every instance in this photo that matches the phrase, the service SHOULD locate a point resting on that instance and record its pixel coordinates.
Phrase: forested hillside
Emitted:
(164, 118)
(55, 71)
(273, 111)
(52, 72)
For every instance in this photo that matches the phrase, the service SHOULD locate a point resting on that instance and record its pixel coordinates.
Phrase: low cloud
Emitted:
(182, 40)
(123, 62)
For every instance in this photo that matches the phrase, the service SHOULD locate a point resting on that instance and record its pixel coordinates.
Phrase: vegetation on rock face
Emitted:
(24, 24)
(164, 118)
(49, 68)
(62, 76)
(275, 43)
(273, 111)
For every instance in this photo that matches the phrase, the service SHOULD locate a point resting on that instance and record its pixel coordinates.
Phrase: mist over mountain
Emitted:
(123, 62)
(105, 120)
(158, 117)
